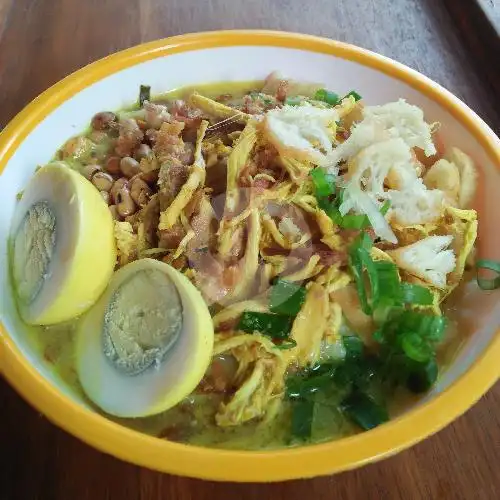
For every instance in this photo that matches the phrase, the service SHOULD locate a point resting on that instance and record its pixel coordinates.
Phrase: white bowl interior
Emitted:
(479, 311)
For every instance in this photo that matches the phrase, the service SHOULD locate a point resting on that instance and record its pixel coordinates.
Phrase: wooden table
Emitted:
(43, 40)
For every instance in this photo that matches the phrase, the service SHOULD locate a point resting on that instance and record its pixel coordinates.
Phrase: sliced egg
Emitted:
(146, 343)
(62, 246)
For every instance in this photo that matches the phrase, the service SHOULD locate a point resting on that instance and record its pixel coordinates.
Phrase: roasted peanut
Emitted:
(142, 152)
(140, 192)
(77, 148)
(113, 165)
(129, 166)
(102, 121)
(102, 181)
(98, 136)
(88, 171)
(150, 177)
(117, 186)
(125, 205)
(150, 135)
(105, 196)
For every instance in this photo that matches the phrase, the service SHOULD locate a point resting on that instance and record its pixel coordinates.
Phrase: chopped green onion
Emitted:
(300, 386)
(390, 296)
(286, 297)
(363, 241)
(354, 346)
(416, 348)
(323, 182)
(293, 101)
(324, 203)
(348, 374)
(486, 283)
(389, 283)
(416, 295)
(286, 344)
(324, 186)
(276, 326)
(354, 94)
(436, 328)
(302, 417)
(383, 310)
(387, 290)
(423, 376)
(427, 326)
(408, 340)
(364, 411)
(144, 94)
(379, 336)
(327, 96)
(340, 197)
(354, 221)
(359, 262)
(385, 207)
(405, 357)
(331, 210)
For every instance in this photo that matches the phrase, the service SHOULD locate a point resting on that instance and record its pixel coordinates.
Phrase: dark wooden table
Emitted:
(43, 40)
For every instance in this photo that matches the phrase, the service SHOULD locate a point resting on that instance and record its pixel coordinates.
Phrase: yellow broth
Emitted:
(192, 421)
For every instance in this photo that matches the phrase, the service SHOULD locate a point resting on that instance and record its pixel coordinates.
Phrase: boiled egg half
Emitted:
(146, 343)
(62, 248)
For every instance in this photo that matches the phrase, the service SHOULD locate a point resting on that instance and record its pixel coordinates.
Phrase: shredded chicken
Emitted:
(196, 178)
(216, 109)
(261, 368)
(236, 161)
(232, 204)
(309, 326)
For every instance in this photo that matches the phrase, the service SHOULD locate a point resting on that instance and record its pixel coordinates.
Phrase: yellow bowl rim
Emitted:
(226, 465)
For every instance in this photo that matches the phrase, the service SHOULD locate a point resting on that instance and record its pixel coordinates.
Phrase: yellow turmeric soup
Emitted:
(283, 262)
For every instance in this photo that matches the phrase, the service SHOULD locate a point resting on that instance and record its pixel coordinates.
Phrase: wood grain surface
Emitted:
(41, 41)
(478, 22)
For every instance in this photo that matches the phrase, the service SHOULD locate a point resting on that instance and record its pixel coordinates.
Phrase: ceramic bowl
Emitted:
(111, 83)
